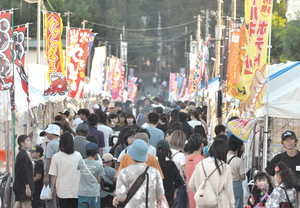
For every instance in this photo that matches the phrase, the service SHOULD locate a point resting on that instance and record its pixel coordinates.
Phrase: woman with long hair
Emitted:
(64, 174)
(131, 122)
(238, 170)
(172, 178)
(177, 142)
(125, 138)
(195, 119)
(23, 185)
(163, 122)
(219, 174)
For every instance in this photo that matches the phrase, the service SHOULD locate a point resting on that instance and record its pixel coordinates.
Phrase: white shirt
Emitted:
(75, 123)
(194, 123)
(145, 125)
(159, 105)
(107, 131)
(64, 167)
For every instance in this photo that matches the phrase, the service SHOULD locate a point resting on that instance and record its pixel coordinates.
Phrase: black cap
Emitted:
(37, 148)
(288, 134)
(65, 112)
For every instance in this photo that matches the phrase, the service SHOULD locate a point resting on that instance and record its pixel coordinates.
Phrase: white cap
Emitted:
(53, 129)
(96, 106)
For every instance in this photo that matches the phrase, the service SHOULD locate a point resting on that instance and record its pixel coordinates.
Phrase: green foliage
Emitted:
(278, 27)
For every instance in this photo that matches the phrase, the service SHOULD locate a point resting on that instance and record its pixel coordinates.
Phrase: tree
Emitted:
(291, 40)
(278, 27)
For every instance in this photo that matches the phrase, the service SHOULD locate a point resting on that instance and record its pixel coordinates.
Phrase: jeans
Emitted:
(238, 194)
(182, 199)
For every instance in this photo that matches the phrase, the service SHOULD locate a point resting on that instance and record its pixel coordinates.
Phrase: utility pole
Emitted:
(67, 34)
(38, 35)
(233, 9)
(207, 23)
(198, 32)
(159, 45)
(218, 37)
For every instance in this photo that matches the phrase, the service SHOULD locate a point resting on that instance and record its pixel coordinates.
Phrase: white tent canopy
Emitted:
(283, 88)
(38, 83)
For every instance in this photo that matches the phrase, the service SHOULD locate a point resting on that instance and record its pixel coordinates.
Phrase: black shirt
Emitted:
(172, 180)
(116, 128)
(39, 169)
(162, 127)
(291, 162)
(23, 172)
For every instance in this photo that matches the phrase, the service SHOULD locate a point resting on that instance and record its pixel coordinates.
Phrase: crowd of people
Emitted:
(120, 155)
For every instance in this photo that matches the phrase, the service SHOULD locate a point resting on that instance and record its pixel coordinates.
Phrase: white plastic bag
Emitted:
(46, 193)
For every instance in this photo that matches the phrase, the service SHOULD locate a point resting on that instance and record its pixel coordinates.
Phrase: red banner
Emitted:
(76, 59)
(56, 68)
(117, 66)
(6, 74)
(19, 40)
(122, 82)
(133, 95)
(131, 84)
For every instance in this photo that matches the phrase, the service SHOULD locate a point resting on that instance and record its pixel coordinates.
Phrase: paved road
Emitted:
(147, 77)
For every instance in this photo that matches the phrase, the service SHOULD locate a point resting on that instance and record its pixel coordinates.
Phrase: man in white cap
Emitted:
(138, 151)
(53, 134)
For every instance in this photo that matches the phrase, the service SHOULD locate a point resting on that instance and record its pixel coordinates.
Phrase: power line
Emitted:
(150, 13)
(140, 30)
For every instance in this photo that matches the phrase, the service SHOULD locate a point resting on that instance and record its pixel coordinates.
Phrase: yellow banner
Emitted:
(241, 128)
(251, 89)
(53, 32)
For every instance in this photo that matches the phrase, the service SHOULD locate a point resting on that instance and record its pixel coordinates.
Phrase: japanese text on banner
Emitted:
(77, 55)
(6, 74)
(254, 68)
(56, 69)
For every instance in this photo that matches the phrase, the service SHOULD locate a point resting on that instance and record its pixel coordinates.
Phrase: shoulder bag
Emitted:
(286, 204)
(136, 185)
(106, 186)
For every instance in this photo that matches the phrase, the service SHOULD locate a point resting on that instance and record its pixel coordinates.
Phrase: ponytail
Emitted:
(21, 139)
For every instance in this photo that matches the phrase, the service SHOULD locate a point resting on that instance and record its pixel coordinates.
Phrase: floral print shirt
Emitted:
(278, 195)
(252, 203)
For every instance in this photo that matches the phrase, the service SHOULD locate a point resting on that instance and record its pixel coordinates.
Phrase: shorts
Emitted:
(88, 202)
(21, 196)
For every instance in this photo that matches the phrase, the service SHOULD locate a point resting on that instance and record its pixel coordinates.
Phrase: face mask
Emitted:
(262, 185)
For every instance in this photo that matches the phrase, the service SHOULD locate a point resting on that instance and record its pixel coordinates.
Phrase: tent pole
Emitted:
(265, 146)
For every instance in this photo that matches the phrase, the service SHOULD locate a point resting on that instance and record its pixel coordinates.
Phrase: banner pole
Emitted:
(265, 146)
(14, 119)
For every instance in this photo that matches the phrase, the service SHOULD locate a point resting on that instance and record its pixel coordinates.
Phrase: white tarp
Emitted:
(284, 96)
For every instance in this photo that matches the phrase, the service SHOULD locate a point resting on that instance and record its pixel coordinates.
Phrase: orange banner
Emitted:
(233, 67)
(76, 59)
(56, 69)
(250, 89)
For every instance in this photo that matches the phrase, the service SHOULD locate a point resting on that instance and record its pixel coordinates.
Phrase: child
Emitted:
(109, 177)
(285, 192)
(90, 177)
(37, 154)
(259, 194)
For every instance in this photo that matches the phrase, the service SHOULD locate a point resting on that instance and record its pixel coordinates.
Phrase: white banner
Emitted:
(98, 68)
(5, 107)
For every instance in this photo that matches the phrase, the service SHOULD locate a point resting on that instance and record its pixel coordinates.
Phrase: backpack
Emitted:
(205, 197)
